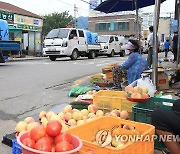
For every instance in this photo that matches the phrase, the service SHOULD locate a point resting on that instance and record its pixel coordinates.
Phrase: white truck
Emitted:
(110, 45)
(69, 42)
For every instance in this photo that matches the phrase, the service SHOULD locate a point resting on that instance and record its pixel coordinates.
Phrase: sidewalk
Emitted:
(12, 59)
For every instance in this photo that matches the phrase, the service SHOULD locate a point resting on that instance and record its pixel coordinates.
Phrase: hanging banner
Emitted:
(8, 16)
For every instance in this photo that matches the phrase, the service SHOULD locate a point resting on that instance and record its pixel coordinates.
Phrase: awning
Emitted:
(14, 29)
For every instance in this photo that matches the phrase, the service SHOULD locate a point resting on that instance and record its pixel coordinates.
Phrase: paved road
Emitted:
(28, 87)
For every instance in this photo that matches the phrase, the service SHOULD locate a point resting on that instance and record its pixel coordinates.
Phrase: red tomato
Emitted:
(28, 142)
(43, 145)
(47, 139)
(63, 146)
(53, 128)
(64, 136)
(38, 132)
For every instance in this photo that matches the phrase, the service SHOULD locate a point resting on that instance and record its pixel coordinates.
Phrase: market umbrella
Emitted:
(111, 6)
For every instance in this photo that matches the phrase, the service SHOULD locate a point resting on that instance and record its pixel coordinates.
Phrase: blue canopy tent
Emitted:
(111, 6)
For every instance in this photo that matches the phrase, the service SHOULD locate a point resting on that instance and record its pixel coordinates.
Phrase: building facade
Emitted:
(114, 24)
(24, 26)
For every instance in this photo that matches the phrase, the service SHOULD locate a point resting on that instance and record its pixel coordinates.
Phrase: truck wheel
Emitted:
(112, 54)
(91, 55)
(52, 58)
(122, 53)
(74, 55)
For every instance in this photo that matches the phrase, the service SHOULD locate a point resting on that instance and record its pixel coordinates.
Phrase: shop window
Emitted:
(122, 26)
(102, 27)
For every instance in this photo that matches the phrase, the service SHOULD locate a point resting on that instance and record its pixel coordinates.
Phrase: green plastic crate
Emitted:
(141, 112)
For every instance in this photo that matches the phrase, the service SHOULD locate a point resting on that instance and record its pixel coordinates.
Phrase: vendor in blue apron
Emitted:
(134, 65)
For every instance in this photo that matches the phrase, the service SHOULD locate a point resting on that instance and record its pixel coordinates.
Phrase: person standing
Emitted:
(150, 46)
(175, 45)
(166, 48)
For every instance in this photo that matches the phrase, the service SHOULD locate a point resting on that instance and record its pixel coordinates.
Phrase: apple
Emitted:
(55, 117)
(32, 125)
(43, 119)
(136, 96)
(49, 114)
(129, 88)
(72, 122)
(80, 122)
(21, 126)
(117, 112)
(64, 127)
(137, 90)
(99, 113)
(68, 108)
(85, 112)
(29, 120)
(42, 114)
(92, 108)
(75, 115)
(124, 115)
(67, 116)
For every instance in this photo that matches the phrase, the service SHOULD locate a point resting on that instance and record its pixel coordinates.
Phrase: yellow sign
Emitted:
(18, 39)
(37, 41)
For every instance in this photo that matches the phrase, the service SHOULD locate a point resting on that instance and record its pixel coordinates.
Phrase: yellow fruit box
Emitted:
(108, 100)
(88, 133)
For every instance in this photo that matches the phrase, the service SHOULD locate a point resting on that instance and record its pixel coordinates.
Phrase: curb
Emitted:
(81, 80)
(24, 59)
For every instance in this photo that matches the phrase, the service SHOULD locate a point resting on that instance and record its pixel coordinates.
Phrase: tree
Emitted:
(56, 20)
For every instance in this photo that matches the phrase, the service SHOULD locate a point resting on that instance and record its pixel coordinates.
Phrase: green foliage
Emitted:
(56, 20)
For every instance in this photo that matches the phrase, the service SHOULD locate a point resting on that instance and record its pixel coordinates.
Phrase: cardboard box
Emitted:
(163, 82)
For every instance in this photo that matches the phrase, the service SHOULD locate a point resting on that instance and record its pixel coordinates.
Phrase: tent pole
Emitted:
(155, 43)
(137, 22)
(178, 49)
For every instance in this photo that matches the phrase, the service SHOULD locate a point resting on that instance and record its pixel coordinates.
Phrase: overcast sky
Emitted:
(42, 7)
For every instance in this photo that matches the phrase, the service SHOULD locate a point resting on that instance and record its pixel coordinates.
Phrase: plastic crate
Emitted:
(16, 148)
(108, 100)
(142, 113)
(87, 133)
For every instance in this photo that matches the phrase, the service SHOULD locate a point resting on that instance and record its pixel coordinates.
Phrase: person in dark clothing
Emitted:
(175, 45)
(167, 122)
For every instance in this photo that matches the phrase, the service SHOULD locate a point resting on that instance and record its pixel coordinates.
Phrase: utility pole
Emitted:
(75, 10)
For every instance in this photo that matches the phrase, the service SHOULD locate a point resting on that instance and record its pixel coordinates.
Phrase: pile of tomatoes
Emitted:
(49, 139)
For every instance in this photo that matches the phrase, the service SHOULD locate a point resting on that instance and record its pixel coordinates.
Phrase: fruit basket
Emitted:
(138, 100)
(76, 142)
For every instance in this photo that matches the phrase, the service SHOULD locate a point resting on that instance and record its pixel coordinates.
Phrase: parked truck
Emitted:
(70, 42)
(7, 46)
(111, 45)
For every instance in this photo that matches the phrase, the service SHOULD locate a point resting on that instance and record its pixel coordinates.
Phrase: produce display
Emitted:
(136, 92)
(75, 114)
(49, 138)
